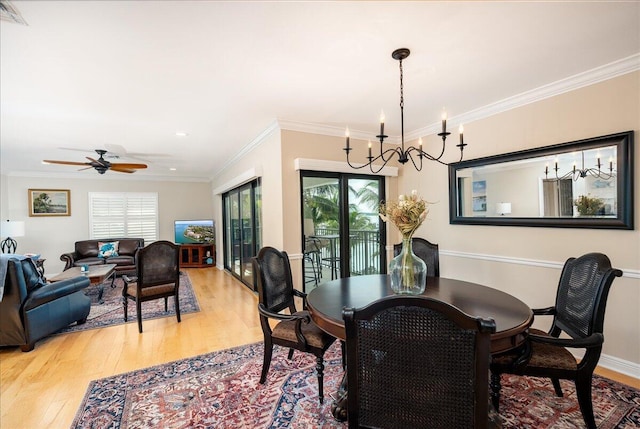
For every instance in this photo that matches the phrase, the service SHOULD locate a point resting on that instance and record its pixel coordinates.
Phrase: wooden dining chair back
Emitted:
(426, 251)
(415, 362)
(295, 330)
(579, 310)
(157, 276)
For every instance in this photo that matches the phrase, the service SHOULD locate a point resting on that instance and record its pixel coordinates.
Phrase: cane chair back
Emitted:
(416, 363)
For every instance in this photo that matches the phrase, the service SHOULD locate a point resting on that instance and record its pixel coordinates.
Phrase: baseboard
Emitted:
(620, 365)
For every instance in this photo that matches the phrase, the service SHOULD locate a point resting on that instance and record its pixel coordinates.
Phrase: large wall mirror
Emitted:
(581, 184)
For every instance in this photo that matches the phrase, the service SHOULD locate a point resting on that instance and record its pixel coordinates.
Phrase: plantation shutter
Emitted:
(123, 214)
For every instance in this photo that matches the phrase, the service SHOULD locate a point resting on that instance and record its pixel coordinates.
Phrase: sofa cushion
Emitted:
(108, 249)
(128, 247)
(121, 260)
(89, 261)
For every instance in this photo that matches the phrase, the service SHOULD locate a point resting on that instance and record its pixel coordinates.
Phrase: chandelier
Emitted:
(404, 154)
(576, 173)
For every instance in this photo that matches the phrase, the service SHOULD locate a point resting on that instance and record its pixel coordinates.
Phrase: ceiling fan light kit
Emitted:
(101, 165)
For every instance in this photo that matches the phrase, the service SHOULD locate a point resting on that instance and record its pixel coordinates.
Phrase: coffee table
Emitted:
(97, 275)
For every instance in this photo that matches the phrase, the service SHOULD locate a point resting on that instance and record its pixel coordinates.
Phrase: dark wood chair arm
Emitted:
(299, 319)
(279, 316)
(548, 311)
(593, 340)
(129, 280)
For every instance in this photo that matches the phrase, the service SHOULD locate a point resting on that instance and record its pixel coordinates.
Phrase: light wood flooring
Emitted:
(44, 388)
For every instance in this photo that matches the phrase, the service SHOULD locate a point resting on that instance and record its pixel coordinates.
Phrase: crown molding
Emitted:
(590, 77)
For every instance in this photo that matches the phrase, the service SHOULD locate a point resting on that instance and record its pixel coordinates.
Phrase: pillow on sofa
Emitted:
(107, 250)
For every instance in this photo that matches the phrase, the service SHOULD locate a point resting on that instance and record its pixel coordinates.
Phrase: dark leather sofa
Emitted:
(86, 253)
(32, 309)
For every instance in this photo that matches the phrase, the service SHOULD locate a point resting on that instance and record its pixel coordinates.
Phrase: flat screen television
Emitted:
(194, 231)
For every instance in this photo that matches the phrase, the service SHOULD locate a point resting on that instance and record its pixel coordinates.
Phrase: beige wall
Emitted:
(53, 236)
(513, 258)
(263, 161)
(525, 262)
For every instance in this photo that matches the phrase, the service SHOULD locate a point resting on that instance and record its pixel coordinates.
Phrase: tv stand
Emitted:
(197, 255)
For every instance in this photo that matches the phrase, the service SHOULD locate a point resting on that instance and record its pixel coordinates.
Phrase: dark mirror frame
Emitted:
(624, 220)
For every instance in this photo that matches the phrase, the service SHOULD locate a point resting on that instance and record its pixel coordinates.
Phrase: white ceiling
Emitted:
(130, 74)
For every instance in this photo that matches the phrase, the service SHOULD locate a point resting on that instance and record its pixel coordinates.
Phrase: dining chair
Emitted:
(295, 330)
(426, 251)
(578, 312)
(416, 362)
(157, 276)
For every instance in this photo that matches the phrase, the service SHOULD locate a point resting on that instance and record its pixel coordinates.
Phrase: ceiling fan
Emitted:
(101, 165)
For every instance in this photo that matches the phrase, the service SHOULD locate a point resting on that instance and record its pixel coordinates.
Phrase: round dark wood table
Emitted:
(512, 316)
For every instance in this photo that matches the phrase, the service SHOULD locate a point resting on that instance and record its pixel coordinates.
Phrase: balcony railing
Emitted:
(364, 246)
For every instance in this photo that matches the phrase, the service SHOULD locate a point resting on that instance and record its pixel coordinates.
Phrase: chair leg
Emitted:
(320, 370)
(177, 305)
(125, 304)
(290, 356)
(583, 391)
(343, 347)
(166, 306)
(556, 387)
(139, 309)
(268, 350)
(495, 390)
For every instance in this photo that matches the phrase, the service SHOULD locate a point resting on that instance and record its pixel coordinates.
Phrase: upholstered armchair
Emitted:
(31, 309)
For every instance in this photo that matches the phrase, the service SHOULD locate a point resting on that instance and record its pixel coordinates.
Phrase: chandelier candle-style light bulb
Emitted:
(346, 134)
(461, 131)
(404, 153)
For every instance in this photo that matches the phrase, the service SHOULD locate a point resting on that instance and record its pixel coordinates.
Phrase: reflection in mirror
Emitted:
(585, 183)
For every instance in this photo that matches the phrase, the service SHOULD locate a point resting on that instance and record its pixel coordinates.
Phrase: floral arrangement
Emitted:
(588, 206)
(407, 214)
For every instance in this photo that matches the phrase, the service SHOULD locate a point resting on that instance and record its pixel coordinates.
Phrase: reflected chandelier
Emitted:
(404, 155)
(576, 173)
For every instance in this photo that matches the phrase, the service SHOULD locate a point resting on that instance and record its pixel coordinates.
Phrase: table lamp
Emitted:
(503, 208)
(10, 229)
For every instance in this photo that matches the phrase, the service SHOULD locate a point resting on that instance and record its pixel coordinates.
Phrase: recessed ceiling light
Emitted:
(181, 134)
(172, 169)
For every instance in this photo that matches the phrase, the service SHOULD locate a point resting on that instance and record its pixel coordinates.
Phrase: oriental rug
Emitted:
(111, 311)
(221, 390)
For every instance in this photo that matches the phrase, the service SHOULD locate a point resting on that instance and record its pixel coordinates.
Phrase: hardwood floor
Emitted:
(44, 388)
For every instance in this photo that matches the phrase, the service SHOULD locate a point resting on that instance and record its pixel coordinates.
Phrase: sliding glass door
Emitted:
(242, 230)
(342, 232)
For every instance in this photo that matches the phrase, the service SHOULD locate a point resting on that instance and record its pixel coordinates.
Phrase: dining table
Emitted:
(512, 316)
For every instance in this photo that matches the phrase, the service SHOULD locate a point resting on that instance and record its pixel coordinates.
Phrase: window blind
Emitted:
(123, 214)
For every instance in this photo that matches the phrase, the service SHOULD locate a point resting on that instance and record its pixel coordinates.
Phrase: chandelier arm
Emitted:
(409, 156)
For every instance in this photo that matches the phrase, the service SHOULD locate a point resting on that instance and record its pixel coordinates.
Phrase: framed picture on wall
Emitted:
(480, 196)
(49, 202)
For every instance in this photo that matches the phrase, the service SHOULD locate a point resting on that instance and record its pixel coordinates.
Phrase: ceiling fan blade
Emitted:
(127, 165)
(122, 170)
(50, 161)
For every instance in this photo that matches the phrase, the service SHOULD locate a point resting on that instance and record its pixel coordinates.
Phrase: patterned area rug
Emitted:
(111, 312)
(221, 390)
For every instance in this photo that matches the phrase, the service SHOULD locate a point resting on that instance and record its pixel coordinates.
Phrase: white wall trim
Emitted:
(626, 272)
(620, 365)
(338, 167)
(261, 138)
(240, 179)
(590, 77)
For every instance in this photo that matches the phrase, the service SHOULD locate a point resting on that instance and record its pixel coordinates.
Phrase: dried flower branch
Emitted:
(407, 214)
